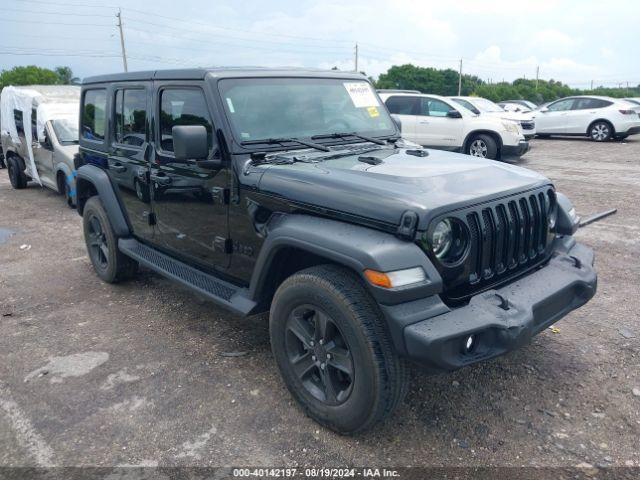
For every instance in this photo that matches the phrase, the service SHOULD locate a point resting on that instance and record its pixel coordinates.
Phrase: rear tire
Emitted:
(600, 131)
(110, 264)
(17, 177)
(483, 146)
(331, 345)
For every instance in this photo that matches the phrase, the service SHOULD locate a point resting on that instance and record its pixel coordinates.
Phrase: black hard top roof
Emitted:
(219, 72)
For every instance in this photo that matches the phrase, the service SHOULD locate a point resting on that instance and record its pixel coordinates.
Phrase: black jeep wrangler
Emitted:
(292, 192)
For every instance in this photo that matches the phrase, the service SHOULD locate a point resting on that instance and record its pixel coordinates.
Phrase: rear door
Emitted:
(127, 166)
(583, 112)
(405, 109)
(555, 118)
(190, 203)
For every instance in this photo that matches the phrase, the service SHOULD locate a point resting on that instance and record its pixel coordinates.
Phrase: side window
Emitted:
(130, 117)
(402, 105)
(433, 108)
(183, 106)
(561, 105)
(93, 114)
(17, 118)
(583, 104)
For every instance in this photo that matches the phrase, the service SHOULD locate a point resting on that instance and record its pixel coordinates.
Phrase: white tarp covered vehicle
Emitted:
(39, 132)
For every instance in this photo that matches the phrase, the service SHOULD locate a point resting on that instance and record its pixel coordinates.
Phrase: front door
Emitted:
(190, 203)
(434, 128)
(555, 118)
(127, 166)
(43, 156)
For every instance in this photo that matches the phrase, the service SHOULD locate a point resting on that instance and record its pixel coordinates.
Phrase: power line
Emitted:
(40, 12)
(40, 22)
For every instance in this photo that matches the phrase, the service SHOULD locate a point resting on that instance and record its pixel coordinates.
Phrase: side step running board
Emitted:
(221, 292)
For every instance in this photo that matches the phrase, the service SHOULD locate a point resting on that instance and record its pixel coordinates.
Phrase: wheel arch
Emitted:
(91, 181)
(492, 133)
(608, 122)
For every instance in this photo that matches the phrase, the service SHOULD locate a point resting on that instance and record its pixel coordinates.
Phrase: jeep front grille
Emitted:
(506, 238)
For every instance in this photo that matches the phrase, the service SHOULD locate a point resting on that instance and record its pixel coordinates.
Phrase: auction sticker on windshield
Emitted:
(361, 94)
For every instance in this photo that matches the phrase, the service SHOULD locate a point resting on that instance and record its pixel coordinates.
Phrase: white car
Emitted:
(437, 122)
(599, 118)
(517, 105)
(486, 107)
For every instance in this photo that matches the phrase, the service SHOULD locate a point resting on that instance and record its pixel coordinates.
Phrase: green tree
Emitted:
(65, 76)
(28, 75)
(431, 80)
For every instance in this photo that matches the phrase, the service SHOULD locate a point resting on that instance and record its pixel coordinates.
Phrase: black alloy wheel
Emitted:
(319, 355)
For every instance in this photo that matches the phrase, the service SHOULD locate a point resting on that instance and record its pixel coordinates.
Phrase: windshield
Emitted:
(267, 108)
(66, 130)
(485, 105)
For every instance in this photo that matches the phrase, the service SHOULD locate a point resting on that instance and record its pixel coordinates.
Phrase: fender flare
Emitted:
(353, 246)
(91, 177)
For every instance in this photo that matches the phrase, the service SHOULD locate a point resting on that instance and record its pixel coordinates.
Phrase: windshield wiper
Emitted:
(271, 141)
(350, 134)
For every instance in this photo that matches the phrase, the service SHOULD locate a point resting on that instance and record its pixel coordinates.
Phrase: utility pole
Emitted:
(591, 84)
(460, 79)
(124, 52)
(537, 75)
(356, 58)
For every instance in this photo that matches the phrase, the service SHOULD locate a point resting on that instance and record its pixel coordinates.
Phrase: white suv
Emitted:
(437, 122)
(599, 118)
(483, 106)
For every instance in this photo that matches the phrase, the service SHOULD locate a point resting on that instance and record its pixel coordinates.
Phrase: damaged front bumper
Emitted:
(503, 319)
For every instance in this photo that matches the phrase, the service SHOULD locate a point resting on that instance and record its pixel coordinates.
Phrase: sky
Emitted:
(576, 42)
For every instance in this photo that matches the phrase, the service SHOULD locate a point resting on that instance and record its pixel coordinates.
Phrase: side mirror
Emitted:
(454, 114)
(190, 142)
(544, 110)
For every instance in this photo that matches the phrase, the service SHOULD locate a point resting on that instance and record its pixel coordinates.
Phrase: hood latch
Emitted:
(408, 225)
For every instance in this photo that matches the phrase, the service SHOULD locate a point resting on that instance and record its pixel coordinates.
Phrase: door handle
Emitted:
(118, 167)
(161, 179)
(424, 122)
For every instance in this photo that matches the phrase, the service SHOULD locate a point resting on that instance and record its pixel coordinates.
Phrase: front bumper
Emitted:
(511, 151)
(506, 318)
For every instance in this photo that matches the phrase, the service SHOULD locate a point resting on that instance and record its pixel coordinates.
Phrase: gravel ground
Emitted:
(140, 373)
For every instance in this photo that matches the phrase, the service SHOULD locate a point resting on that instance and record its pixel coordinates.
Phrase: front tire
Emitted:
(17, 177)
(483, 146)
(600, 131)
(110, 264)
(330, 343)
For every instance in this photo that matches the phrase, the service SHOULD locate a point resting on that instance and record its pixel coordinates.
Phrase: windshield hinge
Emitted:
(408, 225)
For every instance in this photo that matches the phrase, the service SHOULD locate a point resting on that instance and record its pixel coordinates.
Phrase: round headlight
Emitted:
(442, 238)
(448, 240)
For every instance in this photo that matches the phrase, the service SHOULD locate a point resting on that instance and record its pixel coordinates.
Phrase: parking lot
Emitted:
(144, 373)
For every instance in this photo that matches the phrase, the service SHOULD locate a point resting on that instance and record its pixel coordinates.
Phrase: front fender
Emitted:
(90, 180)
(353, 246)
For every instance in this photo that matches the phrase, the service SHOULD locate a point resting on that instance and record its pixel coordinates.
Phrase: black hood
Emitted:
(439, 182)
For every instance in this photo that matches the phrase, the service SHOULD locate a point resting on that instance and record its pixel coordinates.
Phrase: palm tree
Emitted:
(65, 75)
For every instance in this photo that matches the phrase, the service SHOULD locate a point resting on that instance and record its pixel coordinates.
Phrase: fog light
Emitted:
(469, 344)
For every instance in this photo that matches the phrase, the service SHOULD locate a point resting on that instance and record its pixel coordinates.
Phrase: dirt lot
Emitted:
(144, 373)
